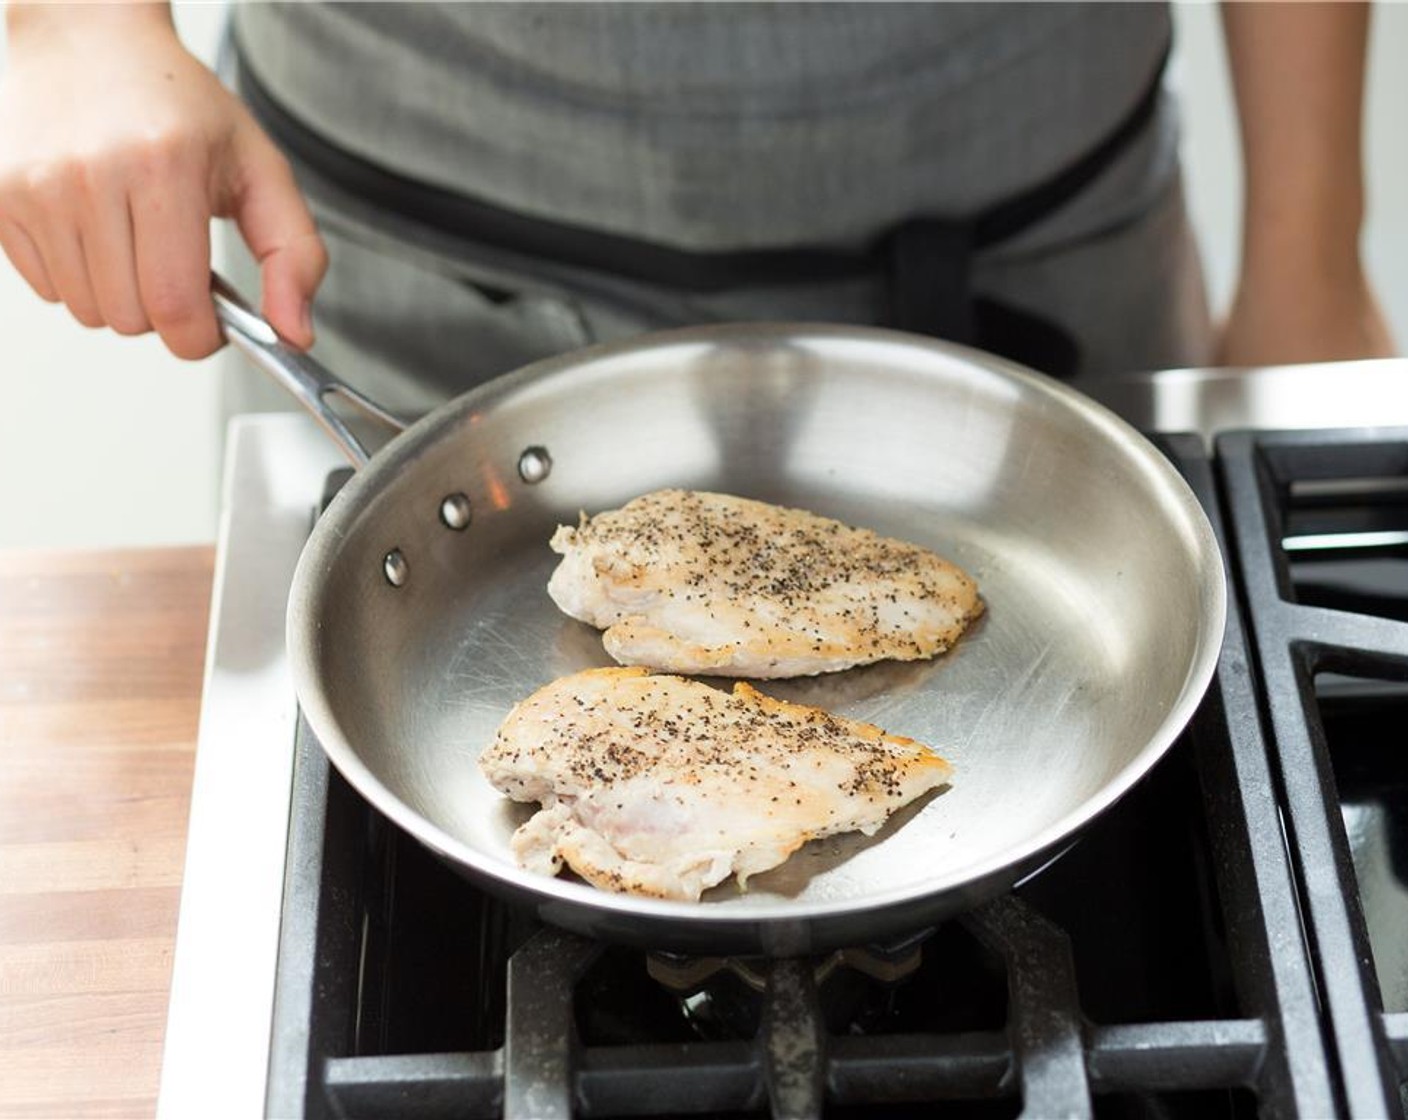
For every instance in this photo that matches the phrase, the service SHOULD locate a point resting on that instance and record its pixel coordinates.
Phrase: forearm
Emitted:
(1303, 295)
(1298, 74)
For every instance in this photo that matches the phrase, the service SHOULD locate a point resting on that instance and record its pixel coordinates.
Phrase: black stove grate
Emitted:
(1156, 970)
(1321, 524)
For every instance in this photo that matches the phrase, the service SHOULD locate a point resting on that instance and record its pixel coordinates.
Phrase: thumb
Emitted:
(275, 223)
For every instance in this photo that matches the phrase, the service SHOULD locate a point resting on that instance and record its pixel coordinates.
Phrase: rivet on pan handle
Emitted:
(300, 374)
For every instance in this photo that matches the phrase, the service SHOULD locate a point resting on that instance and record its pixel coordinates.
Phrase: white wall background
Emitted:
(107, 442)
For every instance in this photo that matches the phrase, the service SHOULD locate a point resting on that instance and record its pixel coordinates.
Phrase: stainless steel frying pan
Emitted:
(418, 614)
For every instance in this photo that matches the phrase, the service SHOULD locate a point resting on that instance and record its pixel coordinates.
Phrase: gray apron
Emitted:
(906, 170)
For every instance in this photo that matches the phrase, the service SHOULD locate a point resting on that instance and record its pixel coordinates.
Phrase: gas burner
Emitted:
(719, 996)
(889, 964)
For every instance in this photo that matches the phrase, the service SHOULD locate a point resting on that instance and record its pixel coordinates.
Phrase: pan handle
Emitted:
(308, 380)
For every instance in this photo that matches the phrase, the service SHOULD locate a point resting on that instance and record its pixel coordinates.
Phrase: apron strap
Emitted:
(930, 292)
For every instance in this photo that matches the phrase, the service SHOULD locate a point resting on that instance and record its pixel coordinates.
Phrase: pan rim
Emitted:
(998, 870)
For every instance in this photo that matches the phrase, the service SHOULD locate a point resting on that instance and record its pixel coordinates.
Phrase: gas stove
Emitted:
(1229, 940)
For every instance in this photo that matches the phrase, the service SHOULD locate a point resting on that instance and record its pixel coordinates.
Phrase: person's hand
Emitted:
(1304, 314)
(117, 147)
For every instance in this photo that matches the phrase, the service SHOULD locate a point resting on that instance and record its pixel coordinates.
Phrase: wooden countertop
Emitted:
(101, 657)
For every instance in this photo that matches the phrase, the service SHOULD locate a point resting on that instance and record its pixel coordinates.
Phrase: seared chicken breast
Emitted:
(693, 582)
(660, 786)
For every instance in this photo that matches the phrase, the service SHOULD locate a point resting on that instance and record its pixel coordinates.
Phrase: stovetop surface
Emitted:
(1229, 940)
(1126, 934)
(1158, 968)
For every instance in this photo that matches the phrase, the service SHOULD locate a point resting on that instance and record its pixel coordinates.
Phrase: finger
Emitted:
(62, 249)
(276, 225)
(112, 263)
(25, 256)
(171, 240)
(50, 216)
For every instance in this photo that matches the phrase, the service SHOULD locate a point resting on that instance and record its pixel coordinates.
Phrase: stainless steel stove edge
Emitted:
(1364, 394)
(222, 984)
